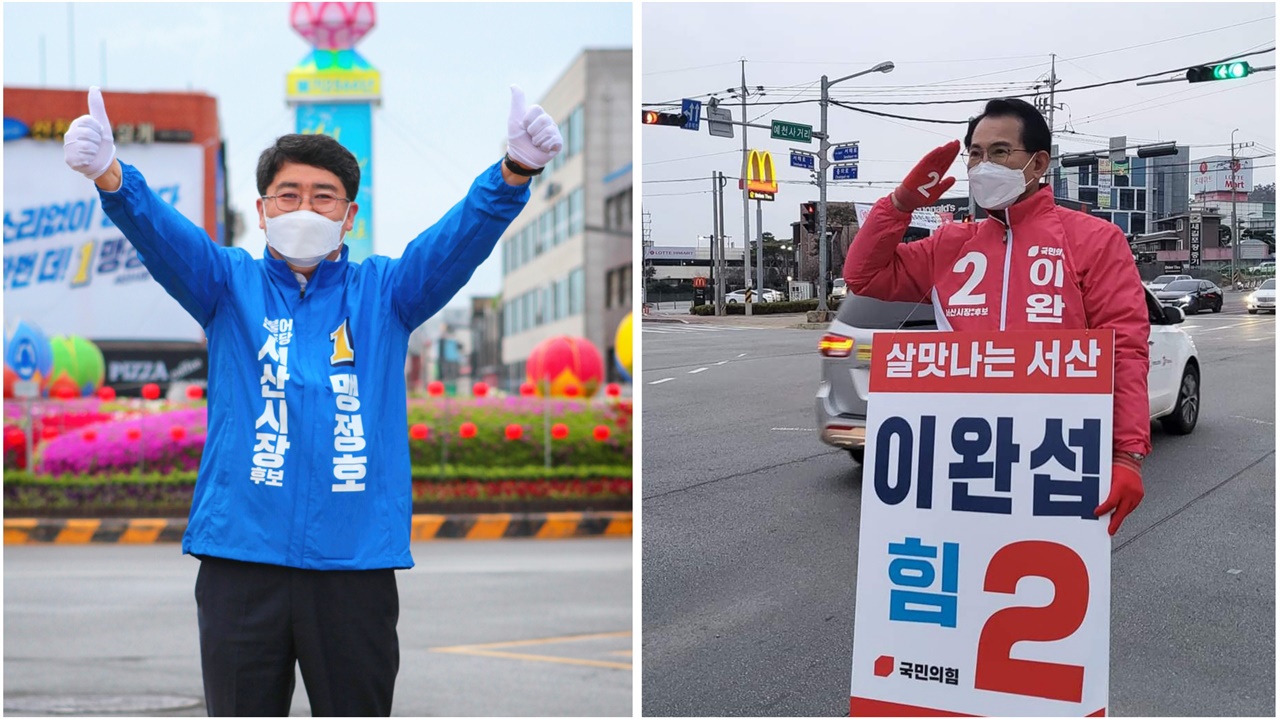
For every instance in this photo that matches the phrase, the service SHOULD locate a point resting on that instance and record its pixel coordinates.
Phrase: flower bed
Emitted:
(490, 447)
(457, 489)
(109, 438)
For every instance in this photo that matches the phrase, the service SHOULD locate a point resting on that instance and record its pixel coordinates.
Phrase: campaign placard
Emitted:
(984, 579)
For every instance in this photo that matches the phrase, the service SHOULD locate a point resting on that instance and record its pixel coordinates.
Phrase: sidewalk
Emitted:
(789, 320)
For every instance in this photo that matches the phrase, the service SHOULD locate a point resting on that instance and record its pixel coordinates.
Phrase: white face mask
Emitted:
(995, 187)
(303, 237)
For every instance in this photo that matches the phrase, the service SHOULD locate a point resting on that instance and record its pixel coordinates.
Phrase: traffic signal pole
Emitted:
(824, 146)
(746, 202)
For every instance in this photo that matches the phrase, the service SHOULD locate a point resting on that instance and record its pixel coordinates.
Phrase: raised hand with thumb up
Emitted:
(532, 136)
(88, 146)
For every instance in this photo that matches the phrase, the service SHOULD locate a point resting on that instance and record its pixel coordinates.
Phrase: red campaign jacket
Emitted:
(1059, 269)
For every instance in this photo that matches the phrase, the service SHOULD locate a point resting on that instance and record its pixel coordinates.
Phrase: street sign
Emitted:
(792, 131)
(841, 153)
(718, 119)
(801, 159)
(943, 623)
(692, 110)
(845, 172)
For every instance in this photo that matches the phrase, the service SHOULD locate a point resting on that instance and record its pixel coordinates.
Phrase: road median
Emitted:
(426, 527)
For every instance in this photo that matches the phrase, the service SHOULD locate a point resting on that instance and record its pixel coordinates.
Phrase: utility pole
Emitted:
(646, 244)
(1235, 233)
(746, 203)
(715, 238)
(824, 146)
(759, 248)
(724, 265)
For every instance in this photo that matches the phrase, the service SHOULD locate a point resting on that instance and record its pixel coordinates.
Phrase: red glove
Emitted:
(1126, 490)
(928, 181)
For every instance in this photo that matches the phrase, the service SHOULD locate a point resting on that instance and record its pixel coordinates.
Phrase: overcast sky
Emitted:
(445, 73)
(941, 51)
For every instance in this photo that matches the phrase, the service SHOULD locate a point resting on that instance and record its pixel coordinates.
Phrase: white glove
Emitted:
(532, 136)
(88, 146)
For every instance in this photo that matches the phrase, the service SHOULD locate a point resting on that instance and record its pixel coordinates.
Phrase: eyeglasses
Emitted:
(320, 202)
(997, 155)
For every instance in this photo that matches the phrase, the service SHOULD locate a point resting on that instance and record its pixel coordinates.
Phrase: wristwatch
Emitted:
(517, 169)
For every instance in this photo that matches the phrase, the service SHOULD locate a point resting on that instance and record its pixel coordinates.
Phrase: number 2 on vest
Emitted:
(965, 298)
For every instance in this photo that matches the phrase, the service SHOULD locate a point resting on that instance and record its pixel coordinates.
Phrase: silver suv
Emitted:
(1173, 380)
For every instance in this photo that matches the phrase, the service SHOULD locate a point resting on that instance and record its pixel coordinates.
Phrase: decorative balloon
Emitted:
(622, 347)
(79, 361)
(23, 332)
(566, 367)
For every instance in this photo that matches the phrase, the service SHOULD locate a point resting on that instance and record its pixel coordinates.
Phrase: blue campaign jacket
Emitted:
(321, 368)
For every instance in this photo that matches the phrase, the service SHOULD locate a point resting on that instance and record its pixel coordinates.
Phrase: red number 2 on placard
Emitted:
(996, 670)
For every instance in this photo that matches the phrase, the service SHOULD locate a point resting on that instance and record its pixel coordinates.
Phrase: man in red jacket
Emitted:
(1030, 265)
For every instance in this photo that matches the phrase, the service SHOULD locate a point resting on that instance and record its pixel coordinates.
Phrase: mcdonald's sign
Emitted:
(760, 175)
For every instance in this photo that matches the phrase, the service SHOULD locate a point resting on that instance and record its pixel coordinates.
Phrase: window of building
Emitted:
(562, 221)
(577, 132)
(608, 289)
(575, 212)
(577, 292)
(624, 286)
(1140, 199)
(1126, 198)
(1121, 219)
(526, 243)
(1120, 180)
(546, 229)
(562, 298)
(1138, 223)
(1089, 195)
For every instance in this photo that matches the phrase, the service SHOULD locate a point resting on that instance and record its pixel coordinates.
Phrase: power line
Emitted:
(692, 157)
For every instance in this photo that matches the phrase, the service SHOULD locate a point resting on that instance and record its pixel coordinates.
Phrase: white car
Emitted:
(1173, 379)
(1159, 283)
(838, 288)
(1262, 299)
(731, 298)
(1266, 268)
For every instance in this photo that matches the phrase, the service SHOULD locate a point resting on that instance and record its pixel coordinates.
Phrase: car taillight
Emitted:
(832, 345)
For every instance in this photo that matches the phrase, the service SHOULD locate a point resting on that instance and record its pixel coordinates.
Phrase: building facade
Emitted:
(566, 260)
(1132, 193)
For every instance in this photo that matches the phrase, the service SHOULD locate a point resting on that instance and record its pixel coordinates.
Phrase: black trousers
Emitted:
(257, 620)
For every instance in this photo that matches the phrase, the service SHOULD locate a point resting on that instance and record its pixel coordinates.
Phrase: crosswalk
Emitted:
(672, 328)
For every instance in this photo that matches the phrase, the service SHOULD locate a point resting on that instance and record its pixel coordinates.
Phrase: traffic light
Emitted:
(652, 117)
(1078, 160)
(1225, 71)
(1160, 150)
(809, 217)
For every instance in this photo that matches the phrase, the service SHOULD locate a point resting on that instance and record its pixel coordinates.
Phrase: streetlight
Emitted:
(823, 163)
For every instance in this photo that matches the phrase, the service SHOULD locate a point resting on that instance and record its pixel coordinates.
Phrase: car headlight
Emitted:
(1185, 299)
(1251, 299)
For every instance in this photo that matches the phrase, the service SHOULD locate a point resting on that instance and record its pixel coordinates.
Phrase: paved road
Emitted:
(555, 618)
(750, 534)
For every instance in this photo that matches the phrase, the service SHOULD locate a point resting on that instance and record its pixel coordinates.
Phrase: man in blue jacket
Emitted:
(302, 507)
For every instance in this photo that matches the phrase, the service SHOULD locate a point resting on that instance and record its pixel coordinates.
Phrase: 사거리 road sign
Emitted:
(692, 110)
(792, 131)
(973, 482)
(844, 152)
(801, 159)
(845, 172)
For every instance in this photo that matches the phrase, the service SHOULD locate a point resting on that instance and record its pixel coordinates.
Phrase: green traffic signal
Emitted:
(1225, 71)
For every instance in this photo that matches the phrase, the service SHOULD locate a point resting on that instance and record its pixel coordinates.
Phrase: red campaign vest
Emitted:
(1046, 268)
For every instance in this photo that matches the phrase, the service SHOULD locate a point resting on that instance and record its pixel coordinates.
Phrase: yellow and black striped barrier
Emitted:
(426, 527)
